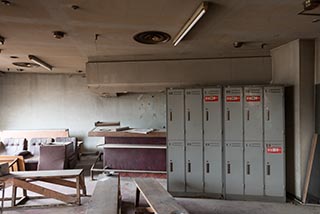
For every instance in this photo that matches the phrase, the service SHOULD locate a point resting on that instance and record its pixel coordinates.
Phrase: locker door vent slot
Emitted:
(274, 90)
(268, 115)
(208, 168)
(207, 115)
(229, 168)
(170, 115)
(248, 169)
(188, 115)
(189, 167)
(268, 169)
(248, 115)
(228, 115)
(171, 166)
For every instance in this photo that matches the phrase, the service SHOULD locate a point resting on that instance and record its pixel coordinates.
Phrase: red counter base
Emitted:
(135, 159)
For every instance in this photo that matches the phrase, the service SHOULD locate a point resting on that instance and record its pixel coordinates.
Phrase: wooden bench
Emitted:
(106, 196)
(25, 180)
(159, 200)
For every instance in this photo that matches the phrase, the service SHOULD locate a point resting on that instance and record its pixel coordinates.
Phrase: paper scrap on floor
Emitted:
(140, 131)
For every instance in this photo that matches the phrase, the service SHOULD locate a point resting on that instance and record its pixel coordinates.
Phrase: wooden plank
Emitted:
(95, 133)
(157, 197)
(133, 146)
(98, 123)
(309, 167)
(67, 173)
(105, 197)
(44, 191)
(61, 182)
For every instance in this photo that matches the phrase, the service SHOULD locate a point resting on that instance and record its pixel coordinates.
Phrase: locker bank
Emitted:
(226, 142)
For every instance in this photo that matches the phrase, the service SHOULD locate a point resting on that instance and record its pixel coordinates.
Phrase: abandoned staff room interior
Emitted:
(164, 107)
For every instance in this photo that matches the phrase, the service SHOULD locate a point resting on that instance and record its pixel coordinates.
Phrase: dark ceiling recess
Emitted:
(2, 40)
(26, 64)
(75, 7)
(152, 37)
(5, 2)
(58, 34)
(310, 5)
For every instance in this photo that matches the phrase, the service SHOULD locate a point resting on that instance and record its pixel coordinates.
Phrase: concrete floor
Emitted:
(194, 206)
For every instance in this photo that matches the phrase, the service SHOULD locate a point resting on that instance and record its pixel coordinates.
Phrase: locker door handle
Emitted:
(188, 115)
(208, 167)
(268, 115)
(170, 115)
(228, 115)
(229, 168)
(268, 169)
(248, 115)
(171, 166)
(248, 169)
(189, 167)
(207, 116)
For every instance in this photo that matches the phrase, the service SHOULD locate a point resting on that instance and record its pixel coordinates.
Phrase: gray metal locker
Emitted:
(233, 141)
(175, 141)
(194, 140)
(274, 142)
(212, 136)
(253, 141)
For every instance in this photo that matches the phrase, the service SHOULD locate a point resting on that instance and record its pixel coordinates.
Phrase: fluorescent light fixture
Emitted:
(40, 62)
(201, 10)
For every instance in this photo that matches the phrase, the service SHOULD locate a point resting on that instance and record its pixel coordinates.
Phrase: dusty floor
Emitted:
(195, 206)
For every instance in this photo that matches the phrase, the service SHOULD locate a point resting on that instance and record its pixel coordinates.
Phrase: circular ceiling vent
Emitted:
(26, 64)
(152, 37)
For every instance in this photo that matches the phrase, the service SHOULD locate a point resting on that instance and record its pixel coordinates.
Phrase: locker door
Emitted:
(233, 129)
(175, 141)
(175, 114)
(176, 166)
(194, 140)
(274, 141)
(253, 141)
(212, 125)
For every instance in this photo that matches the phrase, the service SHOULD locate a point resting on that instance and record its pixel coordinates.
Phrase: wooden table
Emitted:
(159, 200)
(25, 181)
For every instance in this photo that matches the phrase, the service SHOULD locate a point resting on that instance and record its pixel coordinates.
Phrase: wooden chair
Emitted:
(16, 163)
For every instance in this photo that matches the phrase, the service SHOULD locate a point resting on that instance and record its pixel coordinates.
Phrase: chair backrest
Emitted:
(74, 141)
(52, 157)
(35, 143)
(13, 146)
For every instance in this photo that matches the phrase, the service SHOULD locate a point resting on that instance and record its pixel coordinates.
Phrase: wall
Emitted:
(141, 76)
(43, 101)
(293, 65)
(315, 175)
(37, 101)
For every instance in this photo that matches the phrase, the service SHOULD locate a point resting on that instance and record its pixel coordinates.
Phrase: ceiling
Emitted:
(28, 25)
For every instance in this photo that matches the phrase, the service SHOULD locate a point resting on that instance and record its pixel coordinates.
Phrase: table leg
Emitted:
(83, 185)
(137, 198)
(78, 190)
(2, 199)
(25, 194)
(14, 195)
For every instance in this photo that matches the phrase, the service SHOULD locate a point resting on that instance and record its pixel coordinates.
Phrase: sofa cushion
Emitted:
(13, 146)
(35, 143)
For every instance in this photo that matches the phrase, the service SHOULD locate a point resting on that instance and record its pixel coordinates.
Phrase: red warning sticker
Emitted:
(233, 98)
(211, 98)
(253, 98)
(274, 150)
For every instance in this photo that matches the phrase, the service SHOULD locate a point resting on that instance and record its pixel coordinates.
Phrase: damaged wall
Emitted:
(38, 101)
